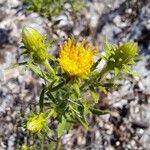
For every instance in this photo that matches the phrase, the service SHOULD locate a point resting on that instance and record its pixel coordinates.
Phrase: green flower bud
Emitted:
(122, 55)
(26, 147)
(34, 43)
(36, 123)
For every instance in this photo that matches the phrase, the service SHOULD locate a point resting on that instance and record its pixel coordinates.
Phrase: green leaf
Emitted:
(52, 145)
(98, 111)
(58, 86)
(76, 89)
(103, 89)
(127, 70)
(95, 96)
(96, 63)
(61, 127)
(116, 70)
(50, 95)
(41, 101)
(51, 57)
(35, 69)
(51, 84)
(107, 46)
(83, 122)
(82, 118)
(12, 66)
(109, 85)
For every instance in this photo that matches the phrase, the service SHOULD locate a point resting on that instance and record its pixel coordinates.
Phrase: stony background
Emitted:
(128, 126)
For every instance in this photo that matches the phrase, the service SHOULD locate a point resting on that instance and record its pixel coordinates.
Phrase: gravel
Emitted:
(128, 125)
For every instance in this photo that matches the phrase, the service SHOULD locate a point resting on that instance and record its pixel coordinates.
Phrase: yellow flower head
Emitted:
(76, 58)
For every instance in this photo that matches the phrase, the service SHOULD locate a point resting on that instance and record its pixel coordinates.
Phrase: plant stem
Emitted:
(42, 144)
(48, 67)
(58, 144)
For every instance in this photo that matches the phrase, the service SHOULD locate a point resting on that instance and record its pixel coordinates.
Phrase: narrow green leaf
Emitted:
(127, 70)
(61, 84)
(95, 96)
(107, 46)
(82, 118)
(83, 122)
(108, 85)
(76, 89)
(57, 87)
(98, 111)
(41, 101)
(61, 127)
(52, 145)
(50, 95)
(96, 64)
(103, 89)
(12, 66)
(116, 70)
(35, 69)
(51, 57)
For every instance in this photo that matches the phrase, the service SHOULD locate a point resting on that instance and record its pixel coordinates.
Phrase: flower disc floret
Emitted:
(76, 58)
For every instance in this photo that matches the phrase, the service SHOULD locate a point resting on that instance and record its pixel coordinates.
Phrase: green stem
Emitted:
(48, 67)
(51, 139)
(42, 144)
(58, 144)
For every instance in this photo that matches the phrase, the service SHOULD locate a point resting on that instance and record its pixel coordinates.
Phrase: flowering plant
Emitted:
(72, 82)
(50, 8)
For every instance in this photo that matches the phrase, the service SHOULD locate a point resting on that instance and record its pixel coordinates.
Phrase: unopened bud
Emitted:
(123, 55)
(36, 123)
(34, 43)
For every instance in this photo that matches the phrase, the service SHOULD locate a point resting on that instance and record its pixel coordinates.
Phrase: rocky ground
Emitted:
(128, 126)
